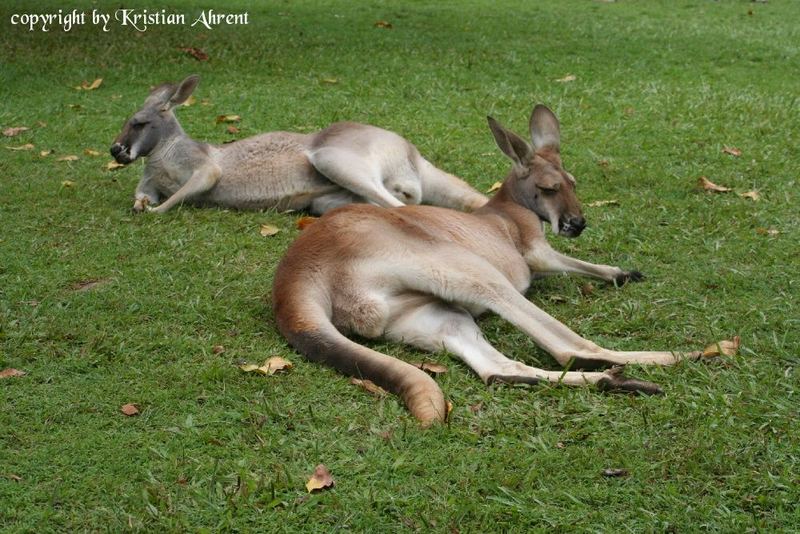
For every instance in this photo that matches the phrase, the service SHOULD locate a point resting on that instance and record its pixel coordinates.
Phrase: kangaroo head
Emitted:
(537, 180)
(154, 122)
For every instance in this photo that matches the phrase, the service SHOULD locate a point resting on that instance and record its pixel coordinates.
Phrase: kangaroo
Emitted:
(344, 163)
(420, 274)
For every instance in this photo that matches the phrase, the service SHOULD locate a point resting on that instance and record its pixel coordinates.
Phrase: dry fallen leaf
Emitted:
(217, 349)
(15, 478)
(91, 152)
(615, 472)
(430, 367)
(11, 132)
(8, 373)
(587, 289)
(86, 86)
(189, 101)
(752, 195)
(67, 183)
(270, 366)
(567, 78)
(598, 203)
(26, 146)
(495, 187)
(232, 129)
(383, 24)
(320, 480)
(475, 408)
(112, 165)
(305, 222)
(228, 118)
(727, 347)
(732, 151)
(708, 185)
(370, 386)
(68, 158)
(268, 230)
(89, 283)
(45, 153)
(767, 231)
(129, 409)
(196, 53)
(330, 81)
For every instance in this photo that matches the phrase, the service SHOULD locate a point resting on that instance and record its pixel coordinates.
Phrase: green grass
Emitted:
(661, 88)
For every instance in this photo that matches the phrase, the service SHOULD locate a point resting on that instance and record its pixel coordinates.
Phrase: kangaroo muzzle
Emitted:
(121, 153)
(571, 226)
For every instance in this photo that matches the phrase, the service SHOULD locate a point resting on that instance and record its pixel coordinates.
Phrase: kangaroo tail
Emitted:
(308, 328)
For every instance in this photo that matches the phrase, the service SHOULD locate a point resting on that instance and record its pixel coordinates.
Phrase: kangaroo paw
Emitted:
(628, 276)
(616, 382)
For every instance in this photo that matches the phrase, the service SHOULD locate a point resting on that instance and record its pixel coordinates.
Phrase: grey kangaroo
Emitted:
(342, 164)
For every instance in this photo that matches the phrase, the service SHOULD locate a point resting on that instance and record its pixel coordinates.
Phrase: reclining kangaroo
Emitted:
(345, 163)
(419, 275)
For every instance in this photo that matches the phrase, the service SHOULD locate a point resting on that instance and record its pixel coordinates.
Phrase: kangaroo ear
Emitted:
(182, 92)
(545, 132)
(511, 144)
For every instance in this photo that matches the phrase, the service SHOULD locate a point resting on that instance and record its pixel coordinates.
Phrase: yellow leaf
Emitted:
(275, 364)
(567, 78)
(189, 101)
(495, 187)
(767, 231)
(598, 203)
(330, 81)
(68, 158)
(91, 152)
(708, 185)
(752, 195)
(249, 367)
(112, 165)
(321, 479)
(727, 347)
(45, 153)
(26, 146)
(732, 151)
(228, 118)
(86, 86)
(67, 183)
(268, 230)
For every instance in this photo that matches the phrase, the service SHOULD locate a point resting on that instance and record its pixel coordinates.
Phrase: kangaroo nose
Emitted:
(579, 223)
(116, 148)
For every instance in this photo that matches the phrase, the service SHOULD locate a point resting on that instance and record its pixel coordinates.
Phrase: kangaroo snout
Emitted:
(120, 153)
(572, 226)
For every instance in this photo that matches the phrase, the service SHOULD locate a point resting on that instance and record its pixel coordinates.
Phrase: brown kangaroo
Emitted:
(344, 163)
(419, 275)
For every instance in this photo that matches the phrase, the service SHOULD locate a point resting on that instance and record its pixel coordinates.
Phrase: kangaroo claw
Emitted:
(616, 382)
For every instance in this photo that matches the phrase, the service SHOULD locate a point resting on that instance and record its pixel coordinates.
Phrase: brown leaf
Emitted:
(598, 203)
(268, 230)
(430, 367)
(587, 289)
(217, 349)
(113, 165)
(320, 480)
(67, 183)
(15, 478)
(68, 158)
(567, 78)
(727, 347)
(129, 409)
(196, 53)
(228, 118)
(708, 185)
(732, 151)
(91, 152)
(45, 153)
(11, 132)
(8, 373)
(752, 195)
(370, 386)
(305, 222)
(232, 129)
(449, 406)
(383, 24)
(475, 408)
(26, 146)
(86, 86)
(89, 283)
(767, 231)
(615, 472)
(495, 187)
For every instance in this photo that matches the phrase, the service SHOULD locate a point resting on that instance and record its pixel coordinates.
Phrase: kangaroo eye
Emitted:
(139, 125)
(547, 190)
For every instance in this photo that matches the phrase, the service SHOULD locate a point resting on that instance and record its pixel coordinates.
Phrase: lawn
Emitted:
(101, 308)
